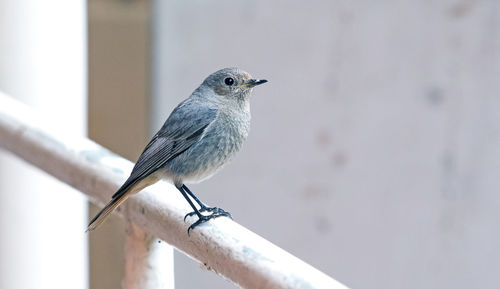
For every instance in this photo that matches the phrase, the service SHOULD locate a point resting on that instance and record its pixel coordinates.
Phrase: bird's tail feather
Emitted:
(108, 209)
(127, 189)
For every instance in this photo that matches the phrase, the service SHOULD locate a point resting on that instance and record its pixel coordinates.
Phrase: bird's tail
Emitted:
(129, 188)
(108, 209)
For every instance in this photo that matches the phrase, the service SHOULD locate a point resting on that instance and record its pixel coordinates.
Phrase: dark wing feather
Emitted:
(183, 128)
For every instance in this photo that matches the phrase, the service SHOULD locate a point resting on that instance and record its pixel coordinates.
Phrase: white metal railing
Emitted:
(221, 245)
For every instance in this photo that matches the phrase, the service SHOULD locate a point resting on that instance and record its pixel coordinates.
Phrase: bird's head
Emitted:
(231, 83)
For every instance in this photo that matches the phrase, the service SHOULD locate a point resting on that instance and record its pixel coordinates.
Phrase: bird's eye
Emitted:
(229, 81)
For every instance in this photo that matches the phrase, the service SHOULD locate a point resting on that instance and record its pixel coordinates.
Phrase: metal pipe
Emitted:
(221, 245)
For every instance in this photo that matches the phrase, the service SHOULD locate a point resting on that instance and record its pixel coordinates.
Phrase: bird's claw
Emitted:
(216, 212)
(213, 210)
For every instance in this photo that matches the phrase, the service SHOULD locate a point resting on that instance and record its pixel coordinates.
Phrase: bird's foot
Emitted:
(216, 212)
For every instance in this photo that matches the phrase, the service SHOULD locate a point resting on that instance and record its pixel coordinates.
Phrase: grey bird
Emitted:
(199, 137)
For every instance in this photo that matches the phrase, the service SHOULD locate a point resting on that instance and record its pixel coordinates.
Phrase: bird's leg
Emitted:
(205, 208)
(183, 192)
(216, 212)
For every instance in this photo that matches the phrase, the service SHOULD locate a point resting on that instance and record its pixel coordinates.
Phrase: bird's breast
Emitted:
(221, 140)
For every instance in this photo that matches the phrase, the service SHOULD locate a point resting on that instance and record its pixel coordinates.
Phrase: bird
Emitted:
(200, 136)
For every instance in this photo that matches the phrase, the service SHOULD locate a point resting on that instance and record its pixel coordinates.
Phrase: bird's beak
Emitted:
(253, 82)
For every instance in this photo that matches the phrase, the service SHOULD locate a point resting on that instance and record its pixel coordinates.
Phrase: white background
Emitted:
(374, 151)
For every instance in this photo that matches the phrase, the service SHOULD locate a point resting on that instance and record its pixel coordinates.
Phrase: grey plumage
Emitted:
(199, 137)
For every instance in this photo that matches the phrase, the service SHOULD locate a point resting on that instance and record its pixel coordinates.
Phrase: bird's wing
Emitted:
(183, 128)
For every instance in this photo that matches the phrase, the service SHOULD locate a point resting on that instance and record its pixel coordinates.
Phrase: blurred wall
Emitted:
(43, 64)
(374, 147)
(118, 107)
